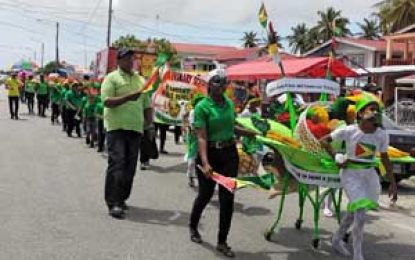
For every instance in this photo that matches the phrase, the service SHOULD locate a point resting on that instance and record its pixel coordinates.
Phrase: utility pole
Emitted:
(42, 54)
(109, 24)
(57, 46)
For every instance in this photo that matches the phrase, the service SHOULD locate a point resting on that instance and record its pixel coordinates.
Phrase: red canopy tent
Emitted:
(305, 67)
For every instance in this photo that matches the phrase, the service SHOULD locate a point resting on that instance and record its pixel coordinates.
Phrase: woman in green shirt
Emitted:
(214, 121)
(30, 94)
(73, 109)
(42, 90)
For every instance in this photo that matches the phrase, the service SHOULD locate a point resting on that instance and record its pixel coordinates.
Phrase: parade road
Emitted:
(52, 207)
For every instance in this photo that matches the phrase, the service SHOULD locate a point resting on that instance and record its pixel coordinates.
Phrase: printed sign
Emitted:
(302, 85)
(172, 99)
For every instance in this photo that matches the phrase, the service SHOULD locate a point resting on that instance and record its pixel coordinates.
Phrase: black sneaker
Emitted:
(164, 152)
(225, 250)
(195, 236)
(124, 206)
(117, 212)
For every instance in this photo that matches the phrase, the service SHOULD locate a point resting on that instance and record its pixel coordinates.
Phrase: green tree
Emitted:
(325, 24)
(313, 39)
(395, 14)
(299, 39)
(129, 41)
(250, 39)
(370, 29)
(50, 67)
(159, 45)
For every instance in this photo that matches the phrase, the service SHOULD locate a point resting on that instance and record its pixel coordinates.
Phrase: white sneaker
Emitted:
(359, 257)
(340, 247)
(328, 213)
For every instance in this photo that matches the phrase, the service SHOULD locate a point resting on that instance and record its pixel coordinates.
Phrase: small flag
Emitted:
(160, 74)
(263, 16)
(337, 31)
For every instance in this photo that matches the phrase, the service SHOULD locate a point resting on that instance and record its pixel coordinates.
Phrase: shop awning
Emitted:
(306, 67)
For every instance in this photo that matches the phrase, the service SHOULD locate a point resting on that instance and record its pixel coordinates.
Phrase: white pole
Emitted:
(396, 105)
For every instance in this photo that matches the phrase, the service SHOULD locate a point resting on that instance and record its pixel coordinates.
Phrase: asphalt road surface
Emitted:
(51, 199)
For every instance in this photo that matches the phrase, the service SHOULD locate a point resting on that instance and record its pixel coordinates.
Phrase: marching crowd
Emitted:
(117, 112)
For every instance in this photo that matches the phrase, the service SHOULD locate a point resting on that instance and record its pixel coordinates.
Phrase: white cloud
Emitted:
(230, 17)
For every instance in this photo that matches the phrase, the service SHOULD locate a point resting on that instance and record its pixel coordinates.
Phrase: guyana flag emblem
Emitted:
(365, 151)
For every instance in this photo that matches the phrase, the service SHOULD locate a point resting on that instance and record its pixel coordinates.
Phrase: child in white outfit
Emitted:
(359, 178)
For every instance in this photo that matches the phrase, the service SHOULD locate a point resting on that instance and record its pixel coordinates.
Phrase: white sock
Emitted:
(357, 234)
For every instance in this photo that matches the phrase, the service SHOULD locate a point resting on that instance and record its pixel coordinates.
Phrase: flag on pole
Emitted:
(263, 16)
(161, 73)
(273, 50)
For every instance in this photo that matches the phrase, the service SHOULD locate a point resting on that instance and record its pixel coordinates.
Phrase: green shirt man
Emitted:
(55, 94)
(42, 88)
(73, 100)
(30, 86)
(130, 115)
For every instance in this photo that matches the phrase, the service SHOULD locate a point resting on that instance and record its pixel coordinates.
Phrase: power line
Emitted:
(145, 16)
(183, 36)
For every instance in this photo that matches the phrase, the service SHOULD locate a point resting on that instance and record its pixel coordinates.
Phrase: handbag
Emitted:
(149, 146)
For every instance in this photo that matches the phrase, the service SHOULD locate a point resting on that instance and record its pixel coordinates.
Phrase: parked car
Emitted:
(402, 139)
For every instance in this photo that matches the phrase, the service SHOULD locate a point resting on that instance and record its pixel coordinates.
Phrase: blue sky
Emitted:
(25, 24)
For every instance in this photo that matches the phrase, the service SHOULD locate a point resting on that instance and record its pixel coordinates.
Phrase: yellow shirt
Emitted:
(12, 86)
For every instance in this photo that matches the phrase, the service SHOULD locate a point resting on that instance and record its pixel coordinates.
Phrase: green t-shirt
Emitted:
(55, 94)
(99, 109)
(89, 110)
(74, 98)
(219, 121)
(130, 115)
(84, 100)
(30, 86)
(43, 88)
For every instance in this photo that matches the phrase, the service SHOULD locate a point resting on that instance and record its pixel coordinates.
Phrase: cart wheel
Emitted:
(346, 237)
(298, 224)
(316, 243)
(268, 235)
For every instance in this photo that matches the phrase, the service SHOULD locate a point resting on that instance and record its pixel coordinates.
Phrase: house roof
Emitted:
(372, 45)
(407, 29)
(305, 67)
(201, 49)
(238, 54)
(406, 80)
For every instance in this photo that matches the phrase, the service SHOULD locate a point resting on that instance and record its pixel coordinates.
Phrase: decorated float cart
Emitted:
(299, 155)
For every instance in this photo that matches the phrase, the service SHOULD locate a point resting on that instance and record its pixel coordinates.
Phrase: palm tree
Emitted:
(250, 39)
(325, 24)
(396, 14)
(370, 29)
(313, 39)
(298, 41)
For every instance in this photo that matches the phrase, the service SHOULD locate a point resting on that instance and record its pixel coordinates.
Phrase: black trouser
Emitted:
(224, 161)
(55, 112)
(64, 118)
(72, 122)
(177, 133)
(41, 104)
(30, 98)
(22, 96)
(123, 149)
(14, 106)
(144, 156)
(162, 128)
(100, 134)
